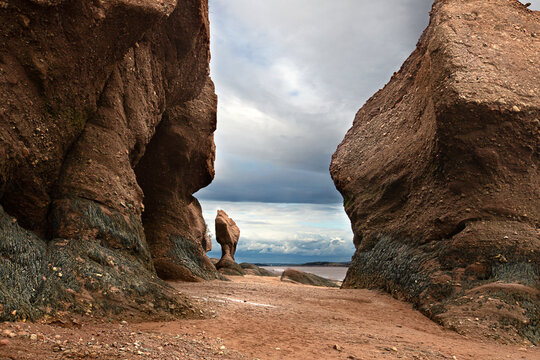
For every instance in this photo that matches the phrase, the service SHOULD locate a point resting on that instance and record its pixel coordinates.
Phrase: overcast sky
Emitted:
(286, 233)
(290, 75)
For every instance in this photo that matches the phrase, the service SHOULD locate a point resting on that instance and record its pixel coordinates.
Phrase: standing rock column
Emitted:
(227, 235)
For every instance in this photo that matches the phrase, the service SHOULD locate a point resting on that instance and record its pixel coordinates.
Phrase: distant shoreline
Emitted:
(315, 263)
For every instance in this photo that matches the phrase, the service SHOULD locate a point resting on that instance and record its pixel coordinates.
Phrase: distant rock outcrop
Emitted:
(227, 235)
(252, 269)
(100, 104)
(305, 278)
(440, 173)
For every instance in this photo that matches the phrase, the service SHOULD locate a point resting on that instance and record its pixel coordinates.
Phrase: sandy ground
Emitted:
(262, 318)
(267, 319)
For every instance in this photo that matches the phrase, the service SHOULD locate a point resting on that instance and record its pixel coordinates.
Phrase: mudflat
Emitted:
(264, 318)
(254, 317)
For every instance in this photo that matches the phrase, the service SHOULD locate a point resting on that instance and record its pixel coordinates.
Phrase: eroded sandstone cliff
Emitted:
(89, 92)
(439, 173)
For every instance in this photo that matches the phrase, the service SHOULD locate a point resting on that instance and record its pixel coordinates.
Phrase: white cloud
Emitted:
(294, 229)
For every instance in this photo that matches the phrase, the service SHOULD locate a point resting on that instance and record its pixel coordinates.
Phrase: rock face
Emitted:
(252, 269)
(227, 235)
(300, 277)
(439, 173)
(102, 105)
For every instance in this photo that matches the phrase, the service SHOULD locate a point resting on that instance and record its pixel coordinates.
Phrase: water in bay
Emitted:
(329, 272)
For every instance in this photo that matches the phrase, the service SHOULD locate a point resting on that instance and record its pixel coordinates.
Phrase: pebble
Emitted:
(337, 347)
(33, 337)
(4, 342)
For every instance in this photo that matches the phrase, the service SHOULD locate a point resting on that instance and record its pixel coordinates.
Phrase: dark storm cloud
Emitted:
(290, 76)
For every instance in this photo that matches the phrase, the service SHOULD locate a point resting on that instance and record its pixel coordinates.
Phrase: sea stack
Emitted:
(227, 235)
(440, 173)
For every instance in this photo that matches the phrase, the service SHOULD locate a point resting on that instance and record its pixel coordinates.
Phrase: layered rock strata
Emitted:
(440, 173)
(86, 88)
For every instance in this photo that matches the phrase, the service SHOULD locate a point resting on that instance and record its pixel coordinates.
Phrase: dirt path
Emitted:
(261, 318)
(267, 319)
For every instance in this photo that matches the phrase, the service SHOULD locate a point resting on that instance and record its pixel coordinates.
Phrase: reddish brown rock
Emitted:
(439, 172)
(300, 277)
(142, 89)
(85, 87)
(227, 235)
(179, 161)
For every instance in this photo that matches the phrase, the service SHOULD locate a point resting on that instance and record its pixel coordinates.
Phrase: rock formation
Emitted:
(439, 173)
(227, 235)
(105, 108)
(178, 161)
(252, 269)
(300, 277)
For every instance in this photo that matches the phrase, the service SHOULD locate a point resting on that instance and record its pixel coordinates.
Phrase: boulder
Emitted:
(440, 173)
(300, 277)
(227, 235)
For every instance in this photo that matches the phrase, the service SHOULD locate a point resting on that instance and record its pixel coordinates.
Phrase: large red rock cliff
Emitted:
(106, 108)
(440, 173)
